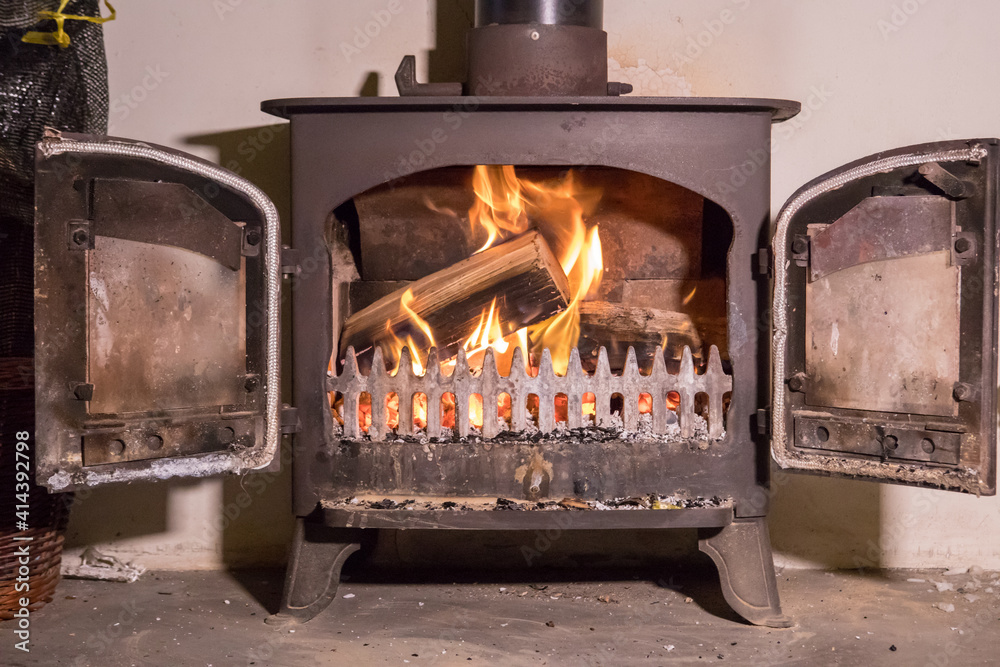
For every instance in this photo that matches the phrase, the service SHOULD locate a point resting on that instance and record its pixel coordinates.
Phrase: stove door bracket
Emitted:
(945, 181)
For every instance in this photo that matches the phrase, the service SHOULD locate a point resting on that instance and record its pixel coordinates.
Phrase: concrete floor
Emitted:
(524, 618)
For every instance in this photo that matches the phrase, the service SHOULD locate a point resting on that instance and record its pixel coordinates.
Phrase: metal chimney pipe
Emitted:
(585, 13)
(539, 48)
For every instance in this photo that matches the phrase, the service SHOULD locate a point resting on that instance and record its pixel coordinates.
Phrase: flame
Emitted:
(645, 404)
(561, 333)
(506, 204)
(488, 334)
(500, 205)
(393, 344)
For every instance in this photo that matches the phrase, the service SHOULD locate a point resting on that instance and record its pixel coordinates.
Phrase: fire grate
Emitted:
(489, 384)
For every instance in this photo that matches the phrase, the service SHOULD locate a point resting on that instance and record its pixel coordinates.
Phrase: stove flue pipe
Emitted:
(529, 48)
(540, 48)
(585, 13)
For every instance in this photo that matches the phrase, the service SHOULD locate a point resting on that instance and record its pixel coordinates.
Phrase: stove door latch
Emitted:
(764, 262)
(289, 262)
(290, 420)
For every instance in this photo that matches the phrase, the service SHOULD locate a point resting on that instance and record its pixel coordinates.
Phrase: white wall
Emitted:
(872, 74)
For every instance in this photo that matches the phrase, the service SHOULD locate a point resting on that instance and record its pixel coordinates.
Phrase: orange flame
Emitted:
(561, 333)
(500, 206)
(506, 204)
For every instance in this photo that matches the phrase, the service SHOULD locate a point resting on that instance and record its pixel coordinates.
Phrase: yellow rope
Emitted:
(59, 37)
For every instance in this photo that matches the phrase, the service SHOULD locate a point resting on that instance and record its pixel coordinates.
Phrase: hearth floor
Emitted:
(217, 618)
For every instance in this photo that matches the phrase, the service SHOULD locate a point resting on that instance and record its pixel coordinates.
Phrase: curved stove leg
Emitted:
(318, 553)
(742, 553)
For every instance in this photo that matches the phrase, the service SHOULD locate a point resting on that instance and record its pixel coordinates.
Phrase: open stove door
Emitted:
(884, 348)
(156, 315)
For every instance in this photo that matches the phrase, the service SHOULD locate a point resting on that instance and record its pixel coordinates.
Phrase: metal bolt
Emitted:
(962, 391)
(890, 442)
(927, 445)
(116, 447)
(253, 237)
(227, 435)
(796, 383)
(800, 246)
(154, 442)
(962, 245)
(81, 237)
(822, 434)
(251, 383)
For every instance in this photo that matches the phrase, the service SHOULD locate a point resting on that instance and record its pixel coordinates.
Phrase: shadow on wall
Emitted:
(807, 522)
(255, 520)
(117, 512)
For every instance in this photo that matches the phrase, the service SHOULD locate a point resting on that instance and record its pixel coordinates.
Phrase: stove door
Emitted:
(884, 349)
(156, 315)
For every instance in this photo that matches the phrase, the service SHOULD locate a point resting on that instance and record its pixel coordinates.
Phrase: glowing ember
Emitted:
(645, 404)
(365, 411)
(562, 408)
(392, 410)
(505, 409)
(476, 410)
(589, 407)
(448, 410)
(420, 410)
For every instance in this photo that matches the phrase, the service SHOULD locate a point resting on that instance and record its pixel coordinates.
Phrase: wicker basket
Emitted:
(47, 514)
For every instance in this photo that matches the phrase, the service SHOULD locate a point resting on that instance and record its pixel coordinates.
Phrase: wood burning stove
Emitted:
(854, 337)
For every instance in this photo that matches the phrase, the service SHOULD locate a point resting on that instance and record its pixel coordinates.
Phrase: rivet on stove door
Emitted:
(890, 442)
(963, 391)
(797, 382)
(227, 435)
(927, 445)
(154, 442)
(251, 383)
(116, 447)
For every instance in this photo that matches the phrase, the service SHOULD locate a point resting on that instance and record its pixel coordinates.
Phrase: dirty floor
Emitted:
(419, 618)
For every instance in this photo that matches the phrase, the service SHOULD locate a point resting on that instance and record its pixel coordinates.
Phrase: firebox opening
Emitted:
(532, 274)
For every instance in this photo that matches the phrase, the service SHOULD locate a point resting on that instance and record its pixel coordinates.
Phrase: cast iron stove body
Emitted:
(342, 147)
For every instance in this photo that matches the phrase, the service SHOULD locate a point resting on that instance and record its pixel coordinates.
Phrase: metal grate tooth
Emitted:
(489, 384)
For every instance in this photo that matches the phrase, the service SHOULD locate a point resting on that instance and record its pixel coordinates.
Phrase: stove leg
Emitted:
(317, 555)
(742, 553)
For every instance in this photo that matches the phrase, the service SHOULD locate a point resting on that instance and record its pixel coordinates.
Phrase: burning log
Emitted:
(522, 277)
(617, 327)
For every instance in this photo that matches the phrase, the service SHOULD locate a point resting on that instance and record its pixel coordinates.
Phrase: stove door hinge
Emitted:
(763, 421)
(290, 420)
(764, 262)
(289, 262)
(800, 250)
